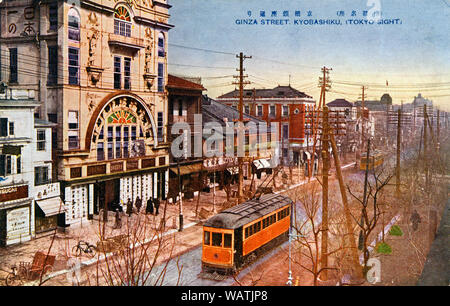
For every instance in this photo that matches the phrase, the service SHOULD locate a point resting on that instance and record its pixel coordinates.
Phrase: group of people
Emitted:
(151, 208)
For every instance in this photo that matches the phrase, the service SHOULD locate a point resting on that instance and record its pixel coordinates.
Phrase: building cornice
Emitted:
(152, 23)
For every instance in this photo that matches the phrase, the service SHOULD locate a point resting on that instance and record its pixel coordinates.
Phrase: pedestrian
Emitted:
(415, 220)
(118, 220)
(129, 207)
(156, 207)
(149, 208)
(138, 203)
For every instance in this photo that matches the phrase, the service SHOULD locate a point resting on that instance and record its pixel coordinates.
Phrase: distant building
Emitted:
(284, 105)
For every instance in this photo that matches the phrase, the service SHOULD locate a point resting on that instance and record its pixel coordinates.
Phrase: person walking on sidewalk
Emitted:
(156, 207)
(138, 204)
(149, 208)
(118, 220)
(129, 207)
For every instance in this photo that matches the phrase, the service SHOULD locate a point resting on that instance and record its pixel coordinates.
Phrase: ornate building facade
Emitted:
(98, 69)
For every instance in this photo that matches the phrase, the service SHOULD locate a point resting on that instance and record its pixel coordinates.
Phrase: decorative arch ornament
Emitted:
(122, 108)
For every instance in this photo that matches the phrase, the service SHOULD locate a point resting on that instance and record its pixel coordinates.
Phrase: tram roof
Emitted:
(247, 212)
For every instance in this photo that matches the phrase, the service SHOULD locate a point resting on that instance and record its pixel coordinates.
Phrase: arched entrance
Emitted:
(123, 130)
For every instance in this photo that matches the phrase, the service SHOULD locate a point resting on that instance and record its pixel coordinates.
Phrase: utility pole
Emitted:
(325, 170)
(241, 83)
(425, 146)
(363, 119)
(397, 167)
(325, 85)
(180, 194)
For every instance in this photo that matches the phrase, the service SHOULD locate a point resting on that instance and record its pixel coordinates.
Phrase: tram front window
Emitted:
(227, 240)
(207, 239)
(217, 239)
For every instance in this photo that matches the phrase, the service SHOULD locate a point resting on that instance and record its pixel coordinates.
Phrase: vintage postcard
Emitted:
(202, 146)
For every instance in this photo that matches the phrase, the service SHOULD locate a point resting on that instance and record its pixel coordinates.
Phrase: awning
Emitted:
(261, 163)
(51, 206)
(187, 169)
(233, 170)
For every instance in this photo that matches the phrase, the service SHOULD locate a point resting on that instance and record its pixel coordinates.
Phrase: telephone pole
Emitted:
(397, 167)
(325, 170)
(325, 140)
(241, 131)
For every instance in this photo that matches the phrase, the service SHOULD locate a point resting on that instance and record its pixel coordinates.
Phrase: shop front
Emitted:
(16, 211)
(48, 205)
(82, 201)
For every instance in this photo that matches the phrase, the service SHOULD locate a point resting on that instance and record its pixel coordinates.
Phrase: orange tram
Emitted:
(238, 235)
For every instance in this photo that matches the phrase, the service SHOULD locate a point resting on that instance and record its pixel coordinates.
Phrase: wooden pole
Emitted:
(350, 240)
(397, 167)
(325, 170)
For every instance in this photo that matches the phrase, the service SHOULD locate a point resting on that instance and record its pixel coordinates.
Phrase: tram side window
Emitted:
(257, 227)
(217, 239)
(207, 238)
(227, 240)
(247, 229)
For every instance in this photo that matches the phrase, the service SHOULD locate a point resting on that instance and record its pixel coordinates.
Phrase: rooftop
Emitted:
(277, 92)
(340, 103)
(181, 83)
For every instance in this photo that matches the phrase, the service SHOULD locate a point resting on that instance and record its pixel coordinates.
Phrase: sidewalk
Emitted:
(436, 270)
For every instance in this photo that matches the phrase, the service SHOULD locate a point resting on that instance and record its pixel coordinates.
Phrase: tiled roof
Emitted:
(277, 92)
(177, 82)
(340, 103)
(216, 111)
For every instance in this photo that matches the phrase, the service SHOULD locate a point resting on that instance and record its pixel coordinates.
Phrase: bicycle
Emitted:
(84, 247)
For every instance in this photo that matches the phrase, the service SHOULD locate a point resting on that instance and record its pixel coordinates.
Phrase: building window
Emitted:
(160, 126)
(3, 127)
(285, 112)
(40, 176)
(74, 25)
(160, 77)
(52, 65)
(53, 15)
(122, 22)
(8, 164)
(285, 131)
(272, 110)
(127, 73)
(117, 72)
(11, 128)
(100, 151)
(13, 65)
(19, 164)
(161, 49)
(260, 110)
(74, 67)
(73, 130)
(40, 140)
(126, 131)
(110, 142)
(247, 109)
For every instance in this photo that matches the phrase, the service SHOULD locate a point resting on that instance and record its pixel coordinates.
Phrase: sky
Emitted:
(411, 56)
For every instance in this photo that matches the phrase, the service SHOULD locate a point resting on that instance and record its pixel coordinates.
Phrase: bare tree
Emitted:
(370, 206)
